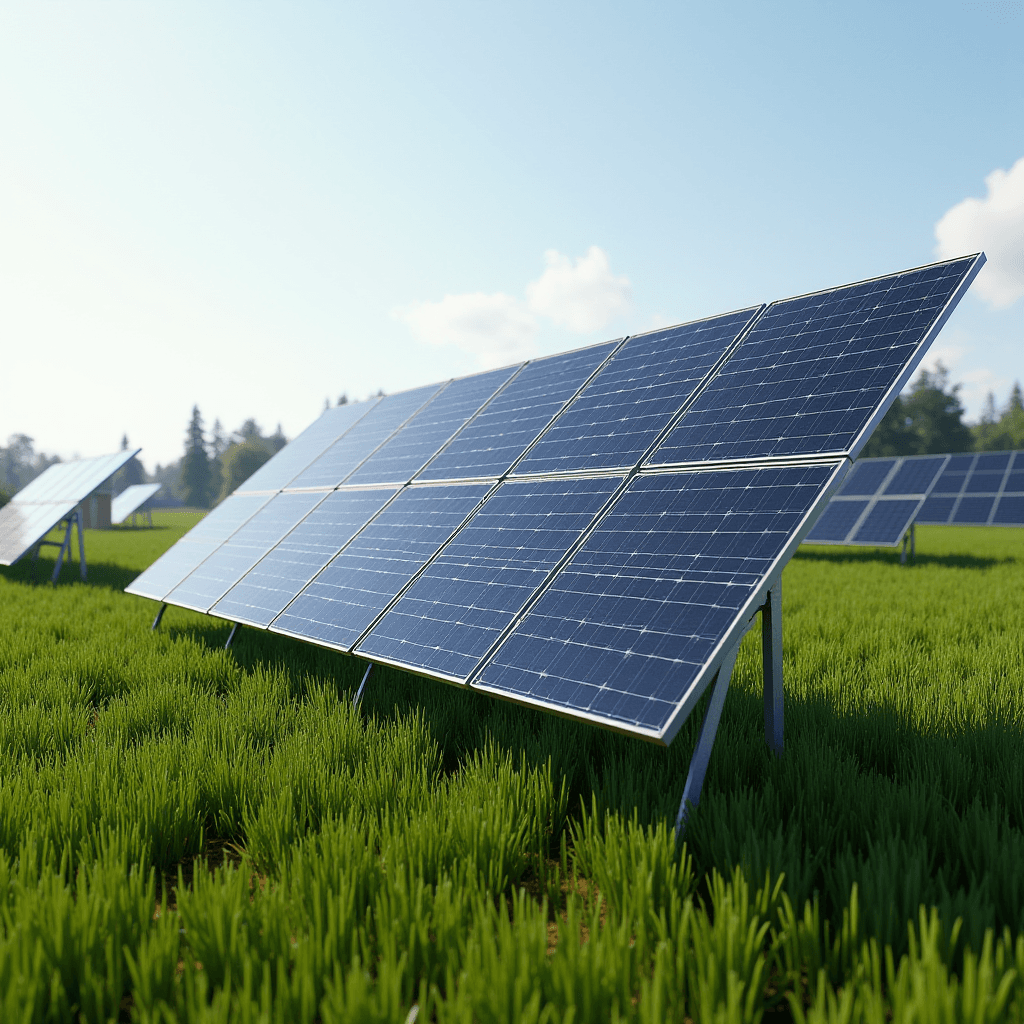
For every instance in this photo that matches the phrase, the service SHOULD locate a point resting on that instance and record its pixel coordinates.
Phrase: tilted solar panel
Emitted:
(623, 635)
(43, 503)
(345, 598)
(363, 438)
(130, 500)
(291, 460)
(812, 374)
(449, 618)
(405, 454)
(623, 409)
(502, 431)
(267, 589)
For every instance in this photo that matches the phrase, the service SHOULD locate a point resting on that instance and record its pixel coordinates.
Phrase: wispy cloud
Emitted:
(582, 295)
(994, 223)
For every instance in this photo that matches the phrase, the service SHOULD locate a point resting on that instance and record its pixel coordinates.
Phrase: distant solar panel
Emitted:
(983, 489)
(50, 499)
(130, 500)
(504, 530)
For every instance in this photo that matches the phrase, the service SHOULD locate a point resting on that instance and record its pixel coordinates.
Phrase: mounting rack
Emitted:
(73, 519)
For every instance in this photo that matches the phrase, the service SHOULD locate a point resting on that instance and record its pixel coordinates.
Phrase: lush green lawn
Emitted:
(442, 850)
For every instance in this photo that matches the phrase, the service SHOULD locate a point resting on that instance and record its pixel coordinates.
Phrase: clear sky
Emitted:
(254, 207)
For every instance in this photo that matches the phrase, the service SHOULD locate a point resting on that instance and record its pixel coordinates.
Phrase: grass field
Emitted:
(193, 834)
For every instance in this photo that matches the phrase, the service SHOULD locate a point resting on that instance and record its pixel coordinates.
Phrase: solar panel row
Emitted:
(540, 533)
(882, 497)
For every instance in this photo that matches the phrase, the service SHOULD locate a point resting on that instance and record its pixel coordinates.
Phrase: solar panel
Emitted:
(621, 412)
(836, 523)
(130, 500)
(267, 589)
(815, 372)
(196, 546)
(449, 618)
(363, 438)
(495, 438)
(344, 599)
(218, 573)
(625, 632)
(399, 459)
(976, 490)
(48, 499)
(294, 457)
(537, 558)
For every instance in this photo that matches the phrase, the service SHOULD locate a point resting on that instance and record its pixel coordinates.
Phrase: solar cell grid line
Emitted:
(361, 440)
(450, 616)
(425, 434)
(218, 573)
(614, 420)
(196, 546)
(358, 584)
(817, 372)
(629, 633)
(295, 456)
(503, 430)
(267, 589)
(837, 521)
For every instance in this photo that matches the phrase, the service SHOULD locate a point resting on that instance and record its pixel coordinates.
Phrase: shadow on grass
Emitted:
(863, 556)
(108, 575)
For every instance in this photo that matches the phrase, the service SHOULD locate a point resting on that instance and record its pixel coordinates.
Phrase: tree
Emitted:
(240, 462)
(195, 478)
(1007, 431)
(895, 435)
(132, 472)
(936, 413)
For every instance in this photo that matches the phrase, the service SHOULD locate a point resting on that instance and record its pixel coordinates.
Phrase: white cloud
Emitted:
(995, 224)
(497, 329)
(582, 296)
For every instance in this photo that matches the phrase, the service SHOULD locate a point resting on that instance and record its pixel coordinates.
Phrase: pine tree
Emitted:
(894, 435)
(936, 413)
(195, 480)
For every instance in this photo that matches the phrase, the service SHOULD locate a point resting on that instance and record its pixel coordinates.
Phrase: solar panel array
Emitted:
(589, 533)
(882, 497)
(39, 506)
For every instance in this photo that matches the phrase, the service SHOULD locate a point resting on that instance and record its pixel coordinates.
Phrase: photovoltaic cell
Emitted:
(429, 430)
(450, 617)
(867, 476)
(23, 524)
(210, 580)
(936, 510)
(973, 511)
(974, 491)
(620, 413)
(915, 476)
(812, 372)
(344, 599)
(1010, 511)
(266, 590)
(291, 460)
(624, 631)
(198, 544)
(836, 522)
(887, 522)
(502, 431)
(363, 438)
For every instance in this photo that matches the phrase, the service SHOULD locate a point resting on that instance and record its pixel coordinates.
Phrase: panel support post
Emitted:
(65, 548)
(771, 661)
(362, 686)
(702, 752)
(159, 616)
(81, 544)
(913, 553)
(231, 636)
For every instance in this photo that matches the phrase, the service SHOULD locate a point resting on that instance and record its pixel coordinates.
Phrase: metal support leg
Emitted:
(903, 551)
(702, 752)
(231, 635)
(362, 686)
(912, 538)
(64, 550)
(159, 616)
(81, 544)
(771, 660)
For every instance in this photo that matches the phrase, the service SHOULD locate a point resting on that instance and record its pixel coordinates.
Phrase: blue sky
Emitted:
(255, 206)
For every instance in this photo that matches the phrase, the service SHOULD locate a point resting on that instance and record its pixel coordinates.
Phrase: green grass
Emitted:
(193, 834)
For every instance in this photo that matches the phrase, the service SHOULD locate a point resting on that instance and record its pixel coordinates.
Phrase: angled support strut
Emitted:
(362, 686)
(159, 616)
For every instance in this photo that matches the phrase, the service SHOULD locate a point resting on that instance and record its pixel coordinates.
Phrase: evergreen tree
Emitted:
(936, 413)
(342, 399)
(240, 462)
(195, 476)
